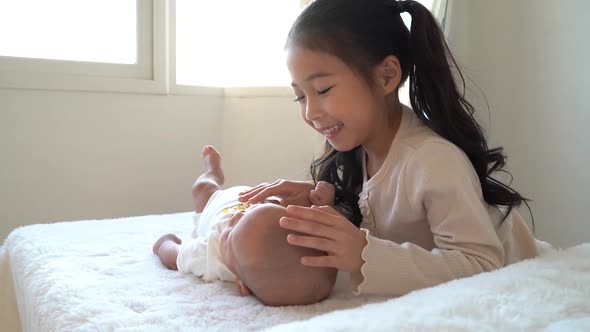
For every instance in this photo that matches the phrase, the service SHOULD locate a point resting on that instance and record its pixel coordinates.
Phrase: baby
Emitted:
(235, 241)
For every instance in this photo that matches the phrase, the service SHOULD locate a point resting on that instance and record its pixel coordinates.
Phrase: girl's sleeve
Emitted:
(439, 179)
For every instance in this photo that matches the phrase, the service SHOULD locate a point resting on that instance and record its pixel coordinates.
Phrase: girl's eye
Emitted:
(324, 91)
(298, 99)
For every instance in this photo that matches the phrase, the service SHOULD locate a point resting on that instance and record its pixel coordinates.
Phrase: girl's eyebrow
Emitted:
(313, 77)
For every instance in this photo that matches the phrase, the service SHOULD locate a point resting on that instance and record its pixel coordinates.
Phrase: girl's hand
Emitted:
(289, 192)
(328, 231)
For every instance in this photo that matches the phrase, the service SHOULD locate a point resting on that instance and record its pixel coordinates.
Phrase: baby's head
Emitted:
(254, 247)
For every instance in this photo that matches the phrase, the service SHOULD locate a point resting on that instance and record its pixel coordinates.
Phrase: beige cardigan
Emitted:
(426, 220)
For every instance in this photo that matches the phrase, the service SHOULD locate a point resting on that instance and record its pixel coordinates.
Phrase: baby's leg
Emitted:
(167, 248)
(210, 181)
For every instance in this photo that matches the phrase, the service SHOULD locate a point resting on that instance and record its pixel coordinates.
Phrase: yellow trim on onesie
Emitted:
(243, 206)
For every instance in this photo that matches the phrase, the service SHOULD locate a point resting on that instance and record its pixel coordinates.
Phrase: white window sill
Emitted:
(254, 92)
(29, 81)
(233, 92)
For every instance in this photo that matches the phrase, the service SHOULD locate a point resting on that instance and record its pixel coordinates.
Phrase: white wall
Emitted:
(530, 58)
(71, 156)
(264, 139)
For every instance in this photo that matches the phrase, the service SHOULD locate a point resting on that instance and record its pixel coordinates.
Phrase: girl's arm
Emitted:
(289, 192)
(438, 183)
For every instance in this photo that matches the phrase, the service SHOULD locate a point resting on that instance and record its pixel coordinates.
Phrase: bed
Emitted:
(101, 275)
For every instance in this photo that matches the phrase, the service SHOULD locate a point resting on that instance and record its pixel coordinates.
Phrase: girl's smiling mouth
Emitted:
(330, 132)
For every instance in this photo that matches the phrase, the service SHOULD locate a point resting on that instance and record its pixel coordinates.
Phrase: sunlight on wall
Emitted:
(216, 39)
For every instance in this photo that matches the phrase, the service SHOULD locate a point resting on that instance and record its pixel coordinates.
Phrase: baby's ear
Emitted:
(244, 290)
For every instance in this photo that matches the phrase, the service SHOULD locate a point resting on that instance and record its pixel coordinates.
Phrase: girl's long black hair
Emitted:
(362, 33)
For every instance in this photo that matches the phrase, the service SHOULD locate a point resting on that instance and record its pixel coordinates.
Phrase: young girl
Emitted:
(431, 212)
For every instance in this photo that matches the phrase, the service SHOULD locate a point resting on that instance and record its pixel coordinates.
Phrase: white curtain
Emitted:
(439, 9)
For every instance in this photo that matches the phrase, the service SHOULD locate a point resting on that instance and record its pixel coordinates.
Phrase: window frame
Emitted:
(172, 87)
(155, 72)
(236, 92)
(148, 75)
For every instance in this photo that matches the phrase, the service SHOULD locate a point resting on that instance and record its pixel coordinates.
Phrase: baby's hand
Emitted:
(322, 194)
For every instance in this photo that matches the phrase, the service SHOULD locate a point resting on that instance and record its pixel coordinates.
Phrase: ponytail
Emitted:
(436, 100)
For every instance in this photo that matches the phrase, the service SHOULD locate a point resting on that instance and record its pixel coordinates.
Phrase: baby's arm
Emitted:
(322, 194)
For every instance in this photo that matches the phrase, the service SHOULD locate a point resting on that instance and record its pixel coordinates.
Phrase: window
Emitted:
(29, 28)
(147, 46)
(228, 43)
(233, 43)
(77, 44)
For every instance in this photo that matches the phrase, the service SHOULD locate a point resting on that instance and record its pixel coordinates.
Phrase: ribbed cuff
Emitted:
(357, 279)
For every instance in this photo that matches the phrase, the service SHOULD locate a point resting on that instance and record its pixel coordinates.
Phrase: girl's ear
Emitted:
(389, 74)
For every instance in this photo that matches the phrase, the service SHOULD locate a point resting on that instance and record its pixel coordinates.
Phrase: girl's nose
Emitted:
(312, 110)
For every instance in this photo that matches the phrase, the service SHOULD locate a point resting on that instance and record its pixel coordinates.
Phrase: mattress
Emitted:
(101, 275)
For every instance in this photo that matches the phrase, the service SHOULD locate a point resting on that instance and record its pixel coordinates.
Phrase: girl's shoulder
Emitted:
(437, 165)
(438, 150)
(440, 161)
(416, 135)
(422, 146)
(419, 150)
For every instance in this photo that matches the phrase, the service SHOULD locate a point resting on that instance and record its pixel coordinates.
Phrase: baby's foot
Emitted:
(163, 239)
(212, 161)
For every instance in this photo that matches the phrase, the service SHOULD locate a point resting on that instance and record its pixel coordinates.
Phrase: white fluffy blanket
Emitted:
(101, 275)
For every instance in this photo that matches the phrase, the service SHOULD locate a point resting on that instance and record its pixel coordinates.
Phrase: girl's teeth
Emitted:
(332, 129)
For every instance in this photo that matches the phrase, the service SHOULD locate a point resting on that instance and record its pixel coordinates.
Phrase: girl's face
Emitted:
(336, 101)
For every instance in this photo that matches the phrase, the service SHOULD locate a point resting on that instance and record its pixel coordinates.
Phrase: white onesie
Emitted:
(200, 254)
